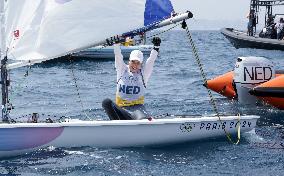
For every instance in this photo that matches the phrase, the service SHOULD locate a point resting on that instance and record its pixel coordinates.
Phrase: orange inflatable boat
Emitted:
(223, 85)
(271, 92)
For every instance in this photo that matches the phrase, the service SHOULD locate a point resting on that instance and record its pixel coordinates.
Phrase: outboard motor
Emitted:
(250, 72)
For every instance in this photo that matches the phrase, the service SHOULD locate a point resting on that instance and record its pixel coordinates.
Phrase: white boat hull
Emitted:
(24, 137)
(107, 52)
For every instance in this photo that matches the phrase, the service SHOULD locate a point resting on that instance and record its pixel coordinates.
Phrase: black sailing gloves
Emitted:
(156, 42)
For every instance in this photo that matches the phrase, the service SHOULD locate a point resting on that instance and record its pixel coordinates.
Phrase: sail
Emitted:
(46, 29)
(156, 10)
(23, 20)
(2, 29)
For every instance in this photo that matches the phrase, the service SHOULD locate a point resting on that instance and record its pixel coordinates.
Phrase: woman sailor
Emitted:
(132, 81)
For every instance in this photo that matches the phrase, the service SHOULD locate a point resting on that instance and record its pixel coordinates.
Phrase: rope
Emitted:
(13, 89)
(77, 88)
(154, 35)
(120, 39)
(212, 100)
(19, 86)
(163, 31)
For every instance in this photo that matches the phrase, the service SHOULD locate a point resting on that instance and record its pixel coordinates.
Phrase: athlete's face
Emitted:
(134, 66)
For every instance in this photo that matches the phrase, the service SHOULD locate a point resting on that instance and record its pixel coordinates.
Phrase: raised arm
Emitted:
(120, 66)
(149, 65)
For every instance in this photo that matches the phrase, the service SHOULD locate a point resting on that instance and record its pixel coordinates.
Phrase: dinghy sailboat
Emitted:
(33, 31)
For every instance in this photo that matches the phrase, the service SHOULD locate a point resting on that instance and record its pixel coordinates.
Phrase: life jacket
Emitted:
(130, 89)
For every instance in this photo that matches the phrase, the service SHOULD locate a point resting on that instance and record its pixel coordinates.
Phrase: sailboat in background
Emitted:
(33, 31)
(101, 52)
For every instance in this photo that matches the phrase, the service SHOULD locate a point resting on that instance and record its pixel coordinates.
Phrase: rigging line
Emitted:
(112, 39)
(18, 87)
(154, 35)
(163, 31)
(13, 90)
(77, 88)
(212, 100)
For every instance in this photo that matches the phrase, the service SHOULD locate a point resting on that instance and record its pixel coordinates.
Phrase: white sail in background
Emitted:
(45, 29)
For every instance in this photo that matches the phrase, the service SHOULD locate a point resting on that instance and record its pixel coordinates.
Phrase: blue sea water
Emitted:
(175, 88)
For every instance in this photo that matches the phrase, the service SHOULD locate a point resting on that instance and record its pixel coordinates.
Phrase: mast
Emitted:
(4, 72)
(4, 88)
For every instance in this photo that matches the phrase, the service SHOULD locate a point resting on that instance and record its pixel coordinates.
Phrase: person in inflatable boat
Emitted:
(132, 81)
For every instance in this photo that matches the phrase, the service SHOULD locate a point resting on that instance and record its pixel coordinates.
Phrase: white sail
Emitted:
(2, 29)
(45, 29)
(23, 20)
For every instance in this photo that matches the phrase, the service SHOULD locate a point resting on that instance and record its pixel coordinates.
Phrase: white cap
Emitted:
(136, 55)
